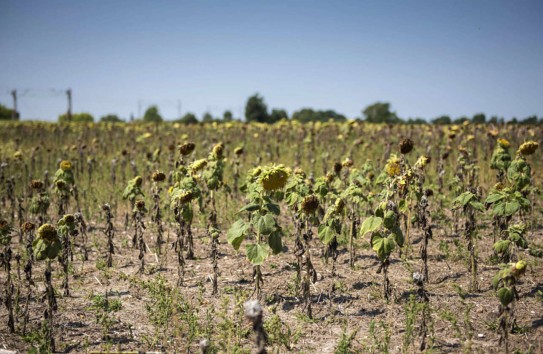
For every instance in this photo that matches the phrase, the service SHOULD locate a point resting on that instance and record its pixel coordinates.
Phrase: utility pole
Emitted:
(69, 113)
(139, 109)
(178, 108)
(14, 114)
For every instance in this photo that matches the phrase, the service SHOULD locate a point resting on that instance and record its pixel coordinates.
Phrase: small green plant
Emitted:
(104, 309)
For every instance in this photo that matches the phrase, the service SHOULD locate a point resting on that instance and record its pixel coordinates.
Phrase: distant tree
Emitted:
(7, 113)
(227, 116)
(207, 118)
(309, 115)
(529, 120)
(152, 115)
(277, 114)
(76, 118)
(188, 118)
(444, 119)
(479, 118)
(111, 118)
(461, 120)
(513, 120)
(493, 120)
(379, 112)
(256, 110)
(417, 121)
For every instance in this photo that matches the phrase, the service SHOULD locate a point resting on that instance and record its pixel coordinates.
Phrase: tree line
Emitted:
(256, 110)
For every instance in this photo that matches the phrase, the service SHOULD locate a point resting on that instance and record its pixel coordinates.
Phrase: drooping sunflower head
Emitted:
(198, 165)
(504, 143)
(339, 205)
(310, 204)
(138, 181)
(69, 218)
(60, 184)
(422, 162)
(520, 268)
(36, 184)
(65, 165)
(238, 151)
(347, 162)
(406, 145)
(158, 176)
(140, 204)
(528, 148)
(274, 177)
(299, 172)
(186, 196)
(186, 148)
(28, 226)
(218, 150)
(47, 232)
(337, 167)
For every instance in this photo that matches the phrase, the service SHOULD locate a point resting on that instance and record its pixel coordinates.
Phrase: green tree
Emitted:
(227, 116)
(479, 118)
(256, 110)
(207, 118)
(111, 118)
(76, 118)
(444, 119)
(277, 114)
(189, 118)
(379, 112)
(529, 120)
(7, 113)
(309, 115)
(152, 115)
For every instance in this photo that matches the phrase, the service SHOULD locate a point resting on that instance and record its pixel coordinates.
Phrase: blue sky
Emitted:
(426, 58)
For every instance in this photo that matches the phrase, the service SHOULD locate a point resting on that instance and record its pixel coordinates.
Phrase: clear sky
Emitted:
(426, 58)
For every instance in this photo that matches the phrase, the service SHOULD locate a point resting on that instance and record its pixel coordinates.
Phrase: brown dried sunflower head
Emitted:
(36, 184)
(28, 226)
(140, 204)
(337, 167)
(310, 204)
(186, 148)
(158, 176)
(406, 145)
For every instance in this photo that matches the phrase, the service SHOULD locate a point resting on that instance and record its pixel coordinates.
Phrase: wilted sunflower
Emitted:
(61, 184)
(274, 177)
(504, 143)
(422, 162)
(158, 176)
(393, 167)
(238, 151)
(140, 204)
(310, 204)
(69, 218)
(186, 148)
(528, 148)
(198, 165)
(218, 150)
(339, 204)
(406, 145)
(185, 196)
(347, 162)
(520, 268)
(65, 165)
(18, 155)
(27, 226)
(138, 181)
(47, 232)
(36, 184)
(337, 167)
(299, 172)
